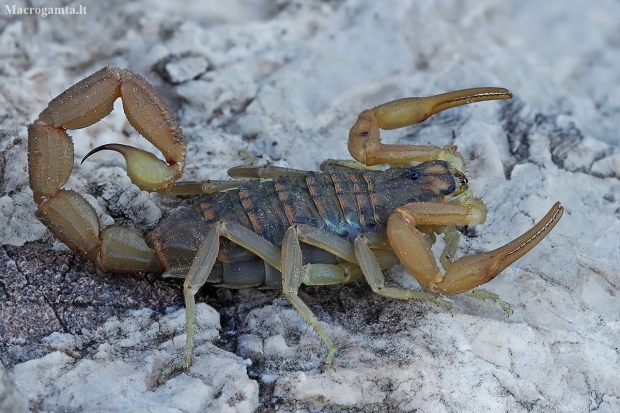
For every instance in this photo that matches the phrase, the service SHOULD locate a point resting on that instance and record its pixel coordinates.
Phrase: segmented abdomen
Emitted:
(338, 201)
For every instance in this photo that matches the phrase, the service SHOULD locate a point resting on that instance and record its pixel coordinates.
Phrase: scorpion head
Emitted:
(432, 181)
(434, 178)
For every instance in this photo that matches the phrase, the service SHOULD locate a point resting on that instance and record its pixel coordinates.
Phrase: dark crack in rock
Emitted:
(570, 149)
(517, 126)
(48, 291)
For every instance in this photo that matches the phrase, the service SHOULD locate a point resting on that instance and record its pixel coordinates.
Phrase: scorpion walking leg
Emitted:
(291, 280)
(375, 278)
(263, 172)
(482, 294)
(365, 142)
(294, 274)
(288, 261)
(201, 188)
(212, 186)
(199, 272)
(452, 237)
(329, 274)
(467, 272)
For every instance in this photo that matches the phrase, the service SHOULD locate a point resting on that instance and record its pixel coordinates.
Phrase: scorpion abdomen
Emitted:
(342, 201)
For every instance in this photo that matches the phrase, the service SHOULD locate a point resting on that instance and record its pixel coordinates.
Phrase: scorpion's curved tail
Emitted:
(50, 157)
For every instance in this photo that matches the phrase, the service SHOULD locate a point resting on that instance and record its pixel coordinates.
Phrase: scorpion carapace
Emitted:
(286, 227)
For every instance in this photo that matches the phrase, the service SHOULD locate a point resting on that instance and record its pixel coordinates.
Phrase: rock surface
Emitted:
(284, 81)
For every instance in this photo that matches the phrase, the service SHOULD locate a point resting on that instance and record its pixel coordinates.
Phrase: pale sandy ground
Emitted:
(284, 80)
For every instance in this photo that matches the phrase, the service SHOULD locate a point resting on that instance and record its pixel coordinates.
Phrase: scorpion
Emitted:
(285, 227)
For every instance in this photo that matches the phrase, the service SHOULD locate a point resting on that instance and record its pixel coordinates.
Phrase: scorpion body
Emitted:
(298, 227)
(342, 201)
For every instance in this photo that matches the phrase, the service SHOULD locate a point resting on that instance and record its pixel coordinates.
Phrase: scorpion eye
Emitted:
(363, 134)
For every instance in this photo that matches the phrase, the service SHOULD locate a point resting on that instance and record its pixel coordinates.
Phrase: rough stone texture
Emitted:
(284, 81)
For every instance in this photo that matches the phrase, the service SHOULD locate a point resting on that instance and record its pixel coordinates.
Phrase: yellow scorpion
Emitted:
(285, 227)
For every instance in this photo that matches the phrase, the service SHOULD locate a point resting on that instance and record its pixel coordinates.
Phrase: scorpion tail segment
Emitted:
(143, 168)
(124, 250)
(409, 111)
(86, 102)
(365, 142)
(152, 117)
(73, 221)
(91, 99)
(50, 155)
(50, 159)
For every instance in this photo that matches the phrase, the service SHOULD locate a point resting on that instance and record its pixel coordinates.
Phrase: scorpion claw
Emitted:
(409, 111)
(144, 169)
(467, 272)
(365, 143)
(473, 270)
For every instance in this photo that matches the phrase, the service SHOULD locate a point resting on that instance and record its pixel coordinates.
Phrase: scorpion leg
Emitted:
(365, 142)
(467, 272)
(294, 274)
(199, 272)
(201, 188)
(329, 274)
(263, 172)
(374, 276)
(452, 237)
(244, 172)
(381, 257)
(288, 261)
(291, 280)
(482, 294)
(347, 163)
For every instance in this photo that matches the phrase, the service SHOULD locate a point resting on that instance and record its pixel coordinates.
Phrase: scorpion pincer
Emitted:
(287, 227)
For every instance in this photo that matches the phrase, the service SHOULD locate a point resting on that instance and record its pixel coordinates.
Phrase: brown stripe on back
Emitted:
(226, 206)
(323, 194)
(345, 193)
(257, 201)
(379, 194)
(296, 201)
(219, 206)
(240, 215)
(364, 204)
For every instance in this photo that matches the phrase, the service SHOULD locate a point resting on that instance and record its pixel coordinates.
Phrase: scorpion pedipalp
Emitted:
(365, 141)
(467, 272)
